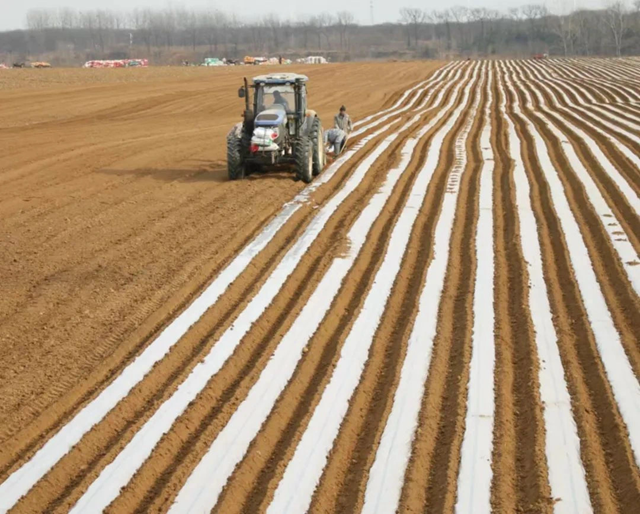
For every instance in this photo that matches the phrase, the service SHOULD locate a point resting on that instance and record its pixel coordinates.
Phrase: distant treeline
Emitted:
(172, 35)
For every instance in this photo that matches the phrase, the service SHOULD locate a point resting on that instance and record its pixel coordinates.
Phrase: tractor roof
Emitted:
(280, 78)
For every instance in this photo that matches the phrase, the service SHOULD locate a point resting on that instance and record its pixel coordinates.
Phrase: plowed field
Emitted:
(447, 318)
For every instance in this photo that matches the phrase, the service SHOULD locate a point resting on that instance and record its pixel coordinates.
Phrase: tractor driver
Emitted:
(278, 99)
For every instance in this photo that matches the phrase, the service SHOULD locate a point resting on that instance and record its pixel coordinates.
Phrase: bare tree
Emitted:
(104, 26)
(344, 21)
(564, 27)
(231, 29)
(67, 18)
(413, 19)
(71, 35)
(482, 17)
(460, 15)
(616, 16)
(274, 25)
(532, 13)
(192, 26)
(636, 12)
(444, 18)
(321, 25)
(588, 29)
(141, 23)
(305, 29)
(211, 26)
(39, 19)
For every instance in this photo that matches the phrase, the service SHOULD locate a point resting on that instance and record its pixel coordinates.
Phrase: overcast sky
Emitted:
(12, 12)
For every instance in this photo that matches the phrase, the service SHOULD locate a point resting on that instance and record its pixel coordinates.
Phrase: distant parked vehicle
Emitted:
(213, 61)
(40, 64)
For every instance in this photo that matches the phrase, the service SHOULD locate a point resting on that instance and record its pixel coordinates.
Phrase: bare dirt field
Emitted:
(447, 318)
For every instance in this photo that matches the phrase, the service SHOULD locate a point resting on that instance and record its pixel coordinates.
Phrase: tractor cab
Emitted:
(269, 95)
(277, 92)
(283, 88)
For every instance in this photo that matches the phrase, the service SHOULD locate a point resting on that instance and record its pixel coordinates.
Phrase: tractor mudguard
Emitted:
(307, 125)
(236, 130)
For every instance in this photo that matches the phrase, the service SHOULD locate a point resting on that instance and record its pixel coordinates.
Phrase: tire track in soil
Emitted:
(519, 462)
(195, 245)
(126, 418)
(201, 345)
(597, 408)
(344, 479)
(274, 446)
(135, 234)
(261, 351)
(33, 169)
(622, 301)
(102, 261)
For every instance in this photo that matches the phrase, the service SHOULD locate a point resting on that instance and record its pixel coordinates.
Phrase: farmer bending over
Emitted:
(335, 138)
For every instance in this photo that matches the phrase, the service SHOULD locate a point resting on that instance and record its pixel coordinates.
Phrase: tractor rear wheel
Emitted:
(235, 160)
(317, 142)
(303, 155)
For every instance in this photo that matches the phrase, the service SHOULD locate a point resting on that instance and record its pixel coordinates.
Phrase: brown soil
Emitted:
(115, 213)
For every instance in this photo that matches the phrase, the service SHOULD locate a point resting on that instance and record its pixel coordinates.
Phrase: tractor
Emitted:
(277, 129)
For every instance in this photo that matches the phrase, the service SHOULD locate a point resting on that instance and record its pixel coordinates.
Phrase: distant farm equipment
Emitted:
(35, 64)
(255, 60)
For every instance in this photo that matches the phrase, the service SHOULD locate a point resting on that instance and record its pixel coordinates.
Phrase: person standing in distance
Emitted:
(342, 121)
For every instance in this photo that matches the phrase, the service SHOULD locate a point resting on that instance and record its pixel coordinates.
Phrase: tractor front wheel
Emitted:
(303, 154)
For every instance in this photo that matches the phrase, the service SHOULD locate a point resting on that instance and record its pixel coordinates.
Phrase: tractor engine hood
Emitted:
(273, 117)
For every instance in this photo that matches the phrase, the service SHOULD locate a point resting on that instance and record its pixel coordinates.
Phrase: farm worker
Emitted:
(335, 137)
(342, 121)
(280, 100)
